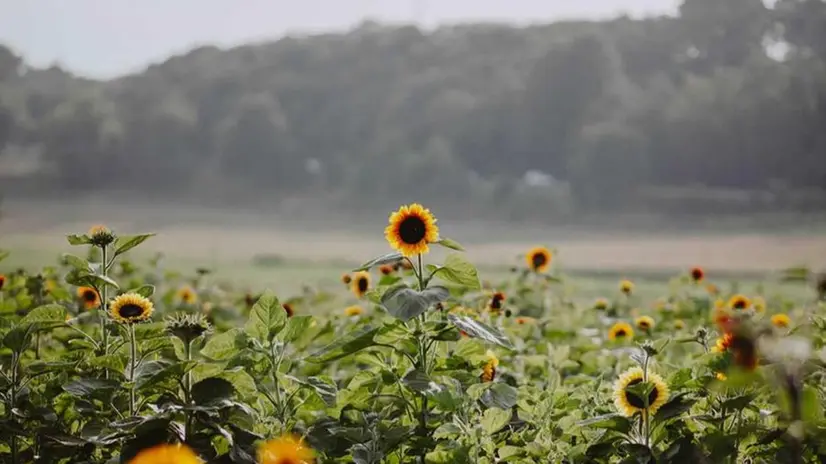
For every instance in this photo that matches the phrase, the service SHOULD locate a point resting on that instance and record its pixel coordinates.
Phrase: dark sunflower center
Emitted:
(89, 296)
(130, 310)
(287, 461)
(621, 333)
(636, 401)
(496, 303)
(644, 325)
(696, 274)
(362, 285)
(412, 230)
(538, 260)
(740, 304)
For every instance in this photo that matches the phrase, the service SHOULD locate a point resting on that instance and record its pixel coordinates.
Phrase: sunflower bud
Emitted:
(188, 327)
(101, 236)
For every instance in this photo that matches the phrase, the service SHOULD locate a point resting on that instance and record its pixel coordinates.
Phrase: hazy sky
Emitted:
(108, 37)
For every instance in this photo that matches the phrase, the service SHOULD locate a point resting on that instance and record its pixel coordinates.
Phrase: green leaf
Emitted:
(612, 421)
(452, 244)
(18, 338)
(75, 239)
(145, 291)
(243, 383)
(447, 430)
(738, 402)
(674, 407)
(417, 380)
(78, 263)
(296, 327)
(225, 345)
(267, 317)
(494, 419)
(480, 330)
(457, 269)
(326, 390)
(127, 242)
(87, 387)
(211, 390)
(405, 303)
(83, 279)
(384, 259)
(508, 451)
(500, 395)
(53, 313)
(347, 345)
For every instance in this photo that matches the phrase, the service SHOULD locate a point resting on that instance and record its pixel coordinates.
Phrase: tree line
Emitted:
(726, 97)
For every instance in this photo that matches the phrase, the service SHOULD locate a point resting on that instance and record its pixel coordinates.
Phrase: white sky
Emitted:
(102, 38)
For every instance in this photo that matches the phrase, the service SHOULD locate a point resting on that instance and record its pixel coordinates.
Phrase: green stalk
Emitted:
(15, 358)
(188, 389)
(104, 302)
(132, 366)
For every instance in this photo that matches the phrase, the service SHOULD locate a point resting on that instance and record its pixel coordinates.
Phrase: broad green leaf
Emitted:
(417, 380)
(18, 338)
(405, 303)
(243, 383)
(225, 345)
(508, 451)
(296, 326)
(82, 279)
(458, 270)
(494, 419)
(212, 389)
(145, 291)
(738, 402)
(75, 239)
(127, 242)
(500, 395)
(480, 330)
(345, 346)
(612, 421)
(384, 259)
(53, 313)
(78, 263)
(267, 317)
(452, 244)
(674, 407)
(326, 390)
(87, 387)
(447, 430)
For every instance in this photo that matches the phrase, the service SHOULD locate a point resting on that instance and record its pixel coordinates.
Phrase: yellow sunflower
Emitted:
(286, 449)
(538, 259)
(739, 302)
(723, 343)
(346, 279)
(130, 308)
(187, 295)
(411, 229)
(721, 376)
(781, 320)
(645, 323)
(621, 331)
(353, 311)
(489, 369)
(629, 404)
(2, 281)
(697, 274)
(166, 454)
(89, 296)
(601, 304)
(360, 283)
(679, 324)
(626, 286)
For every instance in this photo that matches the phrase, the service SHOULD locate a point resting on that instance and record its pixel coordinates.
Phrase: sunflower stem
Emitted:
(132, 366)
(103, 304)
(421, 272)
(188, 388)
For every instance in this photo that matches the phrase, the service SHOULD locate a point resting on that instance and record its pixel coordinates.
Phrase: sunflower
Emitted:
(679, 324)
(645, 323)
(538, 259)
(620, 331)
(739, 302)
(781, 320)
(186, 295)
(626, 286)
(360, 283)
(721, 376)
(525, 320)
(628, 403)
(89, 296)
(346, 279)
(723, 343)
(100, 236)
(386, 269)
(166, 454)
(496, 301)
(288, 308)
(697, 274)
(130, 308)
(489, 369)
(601, 304)
(2, 281)
(411, 229)
(354, 310)
(187, 327)
(286, 449)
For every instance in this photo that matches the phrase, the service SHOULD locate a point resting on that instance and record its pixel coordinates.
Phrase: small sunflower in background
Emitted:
(386, 269)
(186, 295)
(287, 449)
(645, 323)
(679, 324)
(601, 304)
(620, 331)
(626, 286)
(721, 376)
(89, 296)
(130, 308)
(166, 454)
(411, 229)
(354, 310)
(288, 308)
(781, 321)
(697, 274)
(496, 302)
(2, 281)
(739, 302)
(346, 279)
(360, 283)
(538, 259)
(723, 343)
(489, 369)
(628, 403)
(100, 236)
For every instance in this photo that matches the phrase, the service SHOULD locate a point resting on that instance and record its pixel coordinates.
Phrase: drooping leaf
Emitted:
(608, 421)
(83, 279)
(296, 326)
(452, 244)
(674, 407)
(378, 261)
(347, 345)
(480, 330)
(78, 263)
(267, 318)
(127, 242)
(145, 291)
(87, 387)
(405, 303)
(75, 239)
(212, 389)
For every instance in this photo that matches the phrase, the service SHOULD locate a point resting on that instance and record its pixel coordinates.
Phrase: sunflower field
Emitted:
(406, 360)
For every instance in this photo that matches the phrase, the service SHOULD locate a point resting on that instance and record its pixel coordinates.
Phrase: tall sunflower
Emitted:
(538, 259)
(628, 403)
(626, 286)
(130, 308)
(739, 302)
(360, 283)
(89, 296)
(166, 454)
(620, 331)
(781, 320)
(601, 304)
(697, 274)
(489, 369)
(411, 229)
(287, 449)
